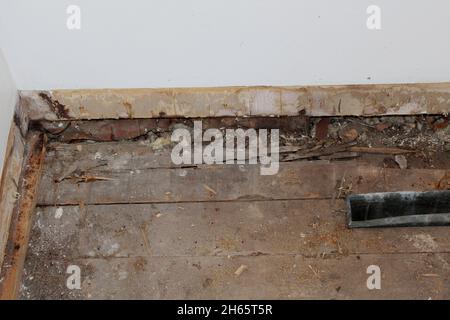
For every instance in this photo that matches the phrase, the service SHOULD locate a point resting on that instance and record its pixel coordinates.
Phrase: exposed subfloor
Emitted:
(140, 227)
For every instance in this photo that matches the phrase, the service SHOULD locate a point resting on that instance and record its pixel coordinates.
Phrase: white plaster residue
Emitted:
(58, 213)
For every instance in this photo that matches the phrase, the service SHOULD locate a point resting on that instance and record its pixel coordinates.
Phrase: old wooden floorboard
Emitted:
(295, 180)
(411, 276)
(295, 227)
(130, 155)
(157, 231)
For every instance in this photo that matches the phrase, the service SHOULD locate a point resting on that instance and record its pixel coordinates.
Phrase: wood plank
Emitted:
(21, 220)
(253, 228)
(404, 276)
(106, 156)
(295, 180)
(63, 158)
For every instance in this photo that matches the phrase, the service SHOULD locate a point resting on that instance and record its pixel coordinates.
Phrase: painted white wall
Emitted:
(8, 98)
(176, 43)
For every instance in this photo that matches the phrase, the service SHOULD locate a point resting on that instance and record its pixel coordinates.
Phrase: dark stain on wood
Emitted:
(322, 128)
(58, 109)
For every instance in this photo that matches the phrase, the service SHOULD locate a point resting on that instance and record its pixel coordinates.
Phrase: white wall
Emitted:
(172, 43)
(8, 98)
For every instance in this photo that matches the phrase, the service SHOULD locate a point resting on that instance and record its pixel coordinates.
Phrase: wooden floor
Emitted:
(139, 227)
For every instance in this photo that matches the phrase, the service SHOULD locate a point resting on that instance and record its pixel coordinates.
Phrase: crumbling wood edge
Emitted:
(314, 101)
(20, 226)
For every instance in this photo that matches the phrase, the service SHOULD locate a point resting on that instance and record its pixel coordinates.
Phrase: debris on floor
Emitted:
(401, 161)
(240, 270)
(424, 140)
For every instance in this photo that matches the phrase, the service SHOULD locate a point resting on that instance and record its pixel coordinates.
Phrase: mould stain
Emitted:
(129, 109)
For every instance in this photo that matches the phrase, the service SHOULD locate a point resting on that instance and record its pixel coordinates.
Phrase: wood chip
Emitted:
(209, 189)
(240, 270)
(348, 134)
(401, 161)
(90, 178)
(316, 273)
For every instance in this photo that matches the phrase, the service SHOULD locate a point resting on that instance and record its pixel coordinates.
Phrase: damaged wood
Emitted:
(119, 198)
(124, 129)
(12, 169)
(344, 100)
(21, 221)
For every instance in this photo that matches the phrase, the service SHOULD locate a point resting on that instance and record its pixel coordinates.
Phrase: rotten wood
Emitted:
(21, 221)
